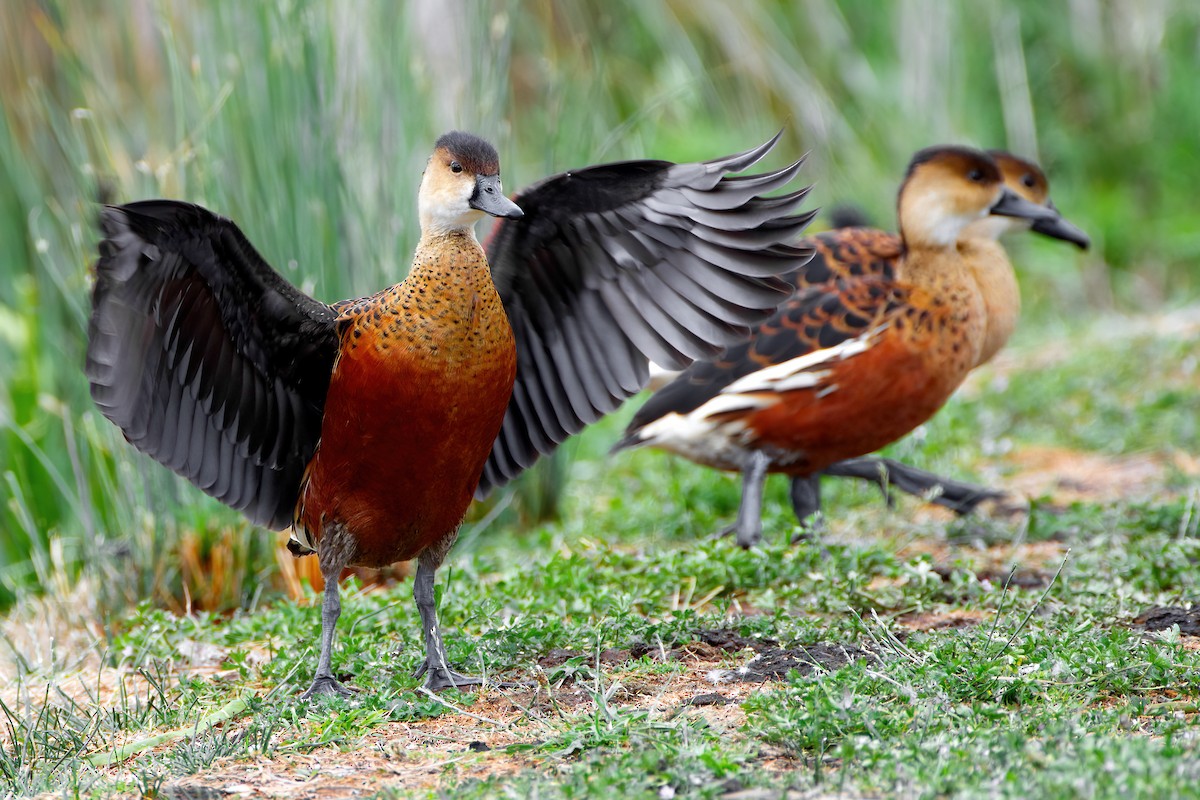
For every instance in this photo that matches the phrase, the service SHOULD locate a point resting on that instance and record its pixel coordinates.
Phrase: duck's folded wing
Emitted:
(848, 254)
(616, 265)
(207, 359)
(815, 329)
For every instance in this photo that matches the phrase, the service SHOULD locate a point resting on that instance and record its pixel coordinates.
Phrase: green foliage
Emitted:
(1052, 690)
(309, 126)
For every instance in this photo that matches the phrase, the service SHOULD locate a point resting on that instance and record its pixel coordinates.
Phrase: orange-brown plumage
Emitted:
(428, 367)
(874, 357)
(823, 430)
(979, 244)
(879, 333)
(848, 254)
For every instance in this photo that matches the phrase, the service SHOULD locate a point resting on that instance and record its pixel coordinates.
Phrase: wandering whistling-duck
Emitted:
(1003, 303)
(879, 334)
(369, 425)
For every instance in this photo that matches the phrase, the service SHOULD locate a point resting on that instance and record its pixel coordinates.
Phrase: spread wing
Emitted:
(618, 264)
(206, 358)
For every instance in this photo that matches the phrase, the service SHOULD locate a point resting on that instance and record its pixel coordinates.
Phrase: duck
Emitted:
(1002, 299)
(368, 426)
(879, 332)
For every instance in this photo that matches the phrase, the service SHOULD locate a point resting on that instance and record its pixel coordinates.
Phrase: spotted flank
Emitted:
(802, 372)
(716, 433)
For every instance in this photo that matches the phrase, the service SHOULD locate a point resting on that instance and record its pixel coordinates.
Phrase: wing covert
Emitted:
(813, 319)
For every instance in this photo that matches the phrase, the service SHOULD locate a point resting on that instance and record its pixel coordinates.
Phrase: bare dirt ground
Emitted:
(457, 747)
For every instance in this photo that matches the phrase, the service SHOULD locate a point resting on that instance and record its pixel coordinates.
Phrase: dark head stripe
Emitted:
(473, 153)
(964, 155)
(1003, 158)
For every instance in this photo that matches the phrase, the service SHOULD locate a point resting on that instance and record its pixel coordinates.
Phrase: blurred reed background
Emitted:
(309, 123)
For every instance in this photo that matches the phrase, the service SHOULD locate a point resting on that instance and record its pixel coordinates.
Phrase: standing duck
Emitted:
(880, 333)
(1002, 299)
(369, 425)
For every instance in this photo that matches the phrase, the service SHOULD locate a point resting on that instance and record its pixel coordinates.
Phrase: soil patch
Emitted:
(942, 621)
(1160, 618)
(770, 662)
(775, 663)
(1067, 475)
(1014, 578)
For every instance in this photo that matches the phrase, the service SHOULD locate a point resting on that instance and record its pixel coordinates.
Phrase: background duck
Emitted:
(847, 365)
(1002, 299)
(369, 425)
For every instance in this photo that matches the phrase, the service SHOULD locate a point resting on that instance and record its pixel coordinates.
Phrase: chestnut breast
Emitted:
(416, 400)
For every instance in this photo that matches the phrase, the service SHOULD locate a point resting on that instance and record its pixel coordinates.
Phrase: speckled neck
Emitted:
(941, 279)
(451, 257)
(442, 312)
(448, 301)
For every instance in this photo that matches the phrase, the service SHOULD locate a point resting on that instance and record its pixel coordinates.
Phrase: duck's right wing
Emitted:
(849, 254)
(206, 358)
(841, 257)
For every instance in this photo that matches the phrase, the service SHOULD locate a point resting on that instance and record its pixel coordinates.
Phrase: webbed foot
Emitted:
(746, 538)
(325, 684)
(440, 678)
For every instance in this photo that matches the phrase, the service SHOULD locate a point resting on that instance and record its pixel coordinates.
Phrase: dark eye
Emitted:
(975, 175)
(1028, 181)
(455, 166)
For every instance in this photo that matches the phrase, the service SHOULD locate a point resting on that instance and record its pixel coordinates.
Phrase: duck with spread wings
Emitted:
(368, 426)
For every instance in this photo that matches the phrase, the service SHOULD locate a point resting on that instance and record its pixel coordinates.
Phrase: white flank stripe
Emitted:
(725, 403)
(803, 380)
(700, 436)
(699, 439)
(787, 376)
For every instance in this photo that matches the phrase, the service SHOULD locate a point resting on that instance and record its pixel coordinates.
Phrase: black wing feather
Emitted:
(614, 265)
(206, 358)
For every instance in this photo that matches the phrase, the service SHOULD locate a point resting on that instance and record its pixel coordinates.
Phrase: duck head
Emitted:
(1027, 180)
(461, 184)
(947, 188)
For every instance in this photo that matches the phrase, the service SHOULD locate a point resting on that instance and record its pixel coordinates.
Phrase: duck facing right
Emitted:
(860, 357)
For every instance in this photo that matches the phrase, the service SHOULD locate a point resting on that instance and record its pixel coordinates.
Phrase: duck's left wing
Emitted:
(618, 264)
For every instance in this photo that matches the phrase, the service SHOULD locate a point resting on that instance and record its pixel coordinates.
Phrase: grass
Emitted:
(595, 579)
(988, 657)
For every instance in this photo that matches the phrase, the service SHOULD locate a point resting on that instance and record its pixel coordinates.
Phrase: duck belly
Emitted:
(826, 410)
(865, 403)
(403, 442)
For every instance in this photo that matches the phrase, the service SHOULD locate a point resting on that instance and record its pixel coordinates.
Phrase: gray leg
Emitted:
(437, 672)
(806, 502)
(333, 555)
(749, 519)
(806, 496)
(886, 473)
(872, 469)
